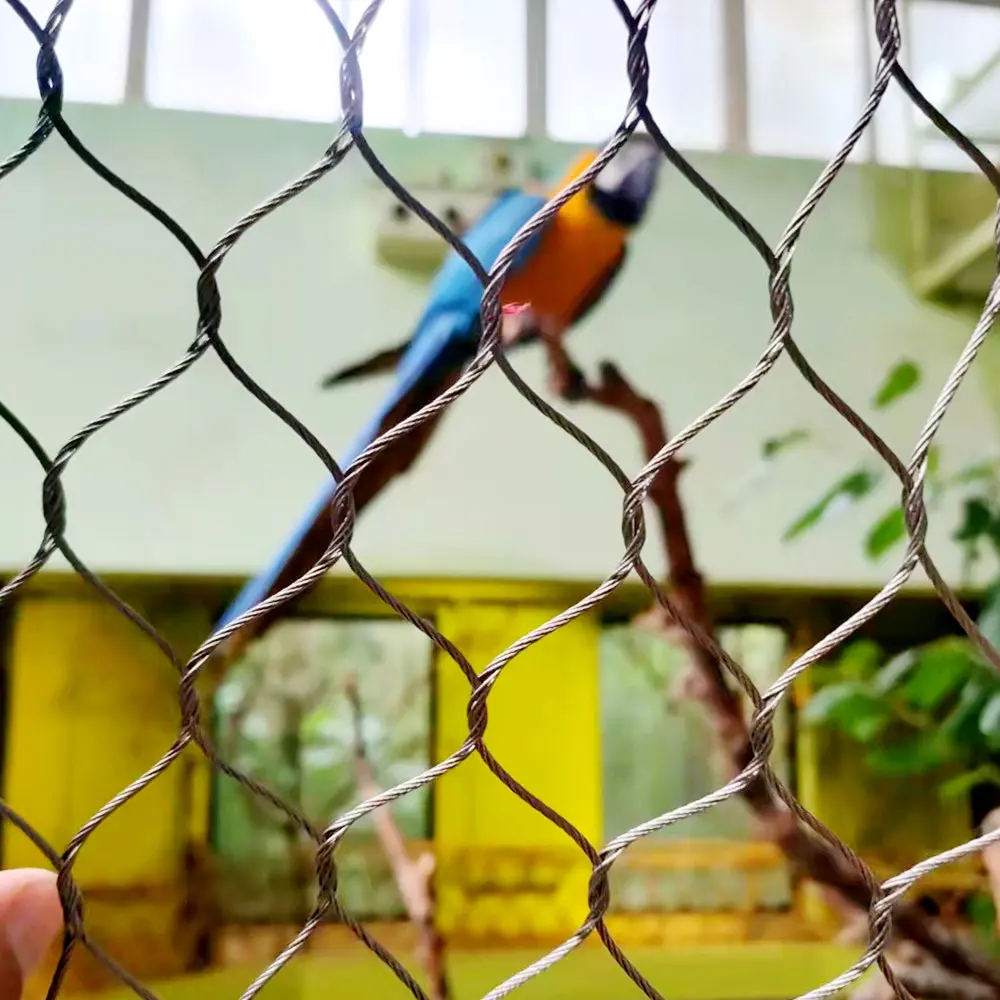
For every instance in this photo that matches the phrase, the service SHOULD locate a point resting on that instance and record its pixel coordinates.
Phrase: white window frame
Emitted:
(138, 48)
(733, 46)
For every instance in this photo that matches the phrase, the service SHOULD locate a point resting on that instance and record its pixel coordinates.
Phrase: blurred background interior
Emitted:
(208, 106)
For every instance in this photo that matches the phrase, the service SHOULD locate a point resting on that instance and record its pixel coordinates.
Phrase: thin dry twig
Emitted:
(414, 878)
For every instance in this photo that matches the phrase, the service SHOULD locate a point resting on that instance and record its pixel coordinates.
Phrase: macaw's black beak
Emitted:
(624, 188)
(639, 183)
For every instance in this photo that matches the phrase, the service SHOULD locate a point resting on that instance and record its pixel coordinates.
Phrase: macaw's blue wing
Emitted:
(443, 342)
(455, 288)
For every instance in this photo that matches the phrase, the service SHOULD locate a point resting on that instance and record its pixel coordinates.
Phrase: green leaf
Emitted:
(828, 702)
(867, 723)
(894, 671)
(854, 486)
(916, 756)
(962, 784)
(859, 660)
(773, 446)
(989, 721)
(850, 707)
(976, 473)
(901, 378)
(941, 670)
(933, 460)
(977, 519)
(888, 530)
(982, 913)
(960, 728)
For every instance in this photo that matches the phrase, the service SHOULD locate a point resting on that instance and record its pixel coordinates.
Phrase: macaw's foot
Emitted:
(575, 387)
(518, 325)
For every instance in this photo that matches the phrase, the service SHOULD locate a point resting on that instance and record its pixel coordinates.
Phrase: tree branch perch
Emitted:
(709, 685)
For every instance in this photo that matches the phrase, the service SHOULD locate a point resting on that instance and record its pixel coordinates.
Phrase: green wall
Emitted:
(98, 300)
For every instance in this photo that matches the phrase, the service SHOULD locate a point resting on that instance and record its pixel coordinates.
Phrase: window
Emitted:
(255, 57)
(943, 42)
(451, 67)
(474, 74)
(805, 70)
(92, 48)
(283, 715)
(249, 57)
(660, 752)
(588, 88)
(385, 62)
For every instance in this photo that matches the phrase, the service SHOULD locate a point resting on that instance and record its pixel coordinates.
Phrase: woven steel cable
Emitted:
(633, 528)
(225, 244)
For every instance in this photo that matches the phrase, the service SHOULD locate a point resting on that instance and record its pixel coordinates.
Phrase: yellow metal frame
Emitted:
(92, 706)
(133, 871)
(544, 731)
(345, 595)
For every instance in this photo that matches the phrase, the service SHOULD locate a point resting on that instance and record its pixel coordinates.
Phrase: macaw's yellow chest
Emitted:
(574, 255)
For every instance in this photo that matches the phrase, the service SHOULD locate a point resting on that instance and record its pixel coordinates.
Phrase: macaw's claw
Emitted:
(575, 388)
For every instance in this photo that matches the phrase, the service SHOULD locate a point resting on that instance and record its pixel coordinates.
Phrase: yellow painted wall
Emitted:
(544, 728)
(93, 704)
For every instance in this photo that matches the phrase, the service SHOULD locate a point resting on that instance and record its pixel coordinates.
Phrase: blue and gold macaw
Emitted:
(561, 275)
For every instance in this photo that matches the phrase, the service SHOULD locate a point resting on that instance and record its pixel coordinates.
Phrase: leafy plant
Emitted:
(851, 487)
(981, 912)
(934, 708)
(977, 484)
(930, 708)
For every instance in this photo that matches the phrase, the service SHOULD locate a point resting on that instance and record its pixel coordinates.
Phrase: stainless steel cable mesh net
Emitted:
(775, 276)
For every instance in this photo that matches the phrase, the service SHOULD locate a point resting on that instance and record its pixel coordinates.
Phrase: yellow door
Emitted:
(505, 871)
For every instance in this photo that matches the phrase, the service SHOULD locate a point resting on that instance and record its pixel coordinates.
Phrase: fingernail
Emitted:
(33, 922)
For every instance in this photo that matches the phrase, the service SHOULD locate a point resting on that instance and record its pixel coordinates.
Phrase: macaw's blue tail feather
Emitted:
(419, 364)
(255, 590)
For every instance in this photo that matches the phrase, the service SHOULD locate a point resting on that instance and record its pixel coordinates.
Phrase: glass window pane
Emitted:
(806, 80)
(246, 57)
(282, 715)
(92, 48)
(588, 83)
(686, 73)
(384, 62)
(640, 722)
(255, 57)
(474, 71)
(943, 42)
(894, 121)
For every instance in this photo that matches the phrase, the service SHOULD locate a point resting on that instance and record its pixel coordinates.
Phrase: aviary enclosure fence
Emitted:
(282, 714)
(718, 680)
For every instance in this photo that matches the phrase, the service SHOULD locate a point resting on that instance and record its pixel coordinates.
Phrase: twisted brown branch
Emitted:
(809, 854)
